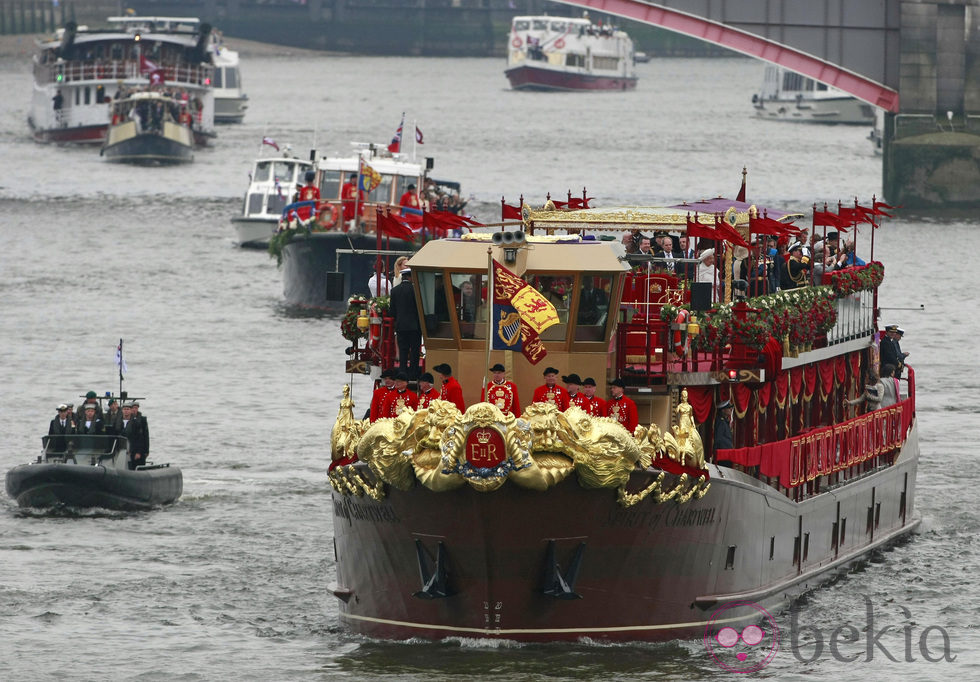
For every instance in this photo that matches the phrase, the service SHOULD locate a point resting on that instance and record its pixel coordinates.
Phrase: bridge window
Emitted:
(276, 202)
(254, 203)
(231, 77)
(218, 79)
(792, 81)
(435, 304)
(330, 185)
(605, 63)
(522, 25)
(88, 95)
(574, 59)
(284, 173)
(558, 26)
(469, 292)
(540, 25)
(116, 51)
(593, 307)
(381, 193)
(262, 171)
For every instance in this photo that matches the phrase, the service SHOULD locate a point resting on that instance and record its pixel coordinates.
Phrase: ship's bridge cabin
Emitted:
(581, 277)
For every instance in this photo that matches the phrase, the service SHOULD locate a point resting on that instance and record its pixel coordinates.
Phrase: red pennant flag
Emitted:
(853, 215)
(766, 225)
(575, 202)
(702, 231)
(392, 227)
(508, 212)
(829, 219)
(728, 233)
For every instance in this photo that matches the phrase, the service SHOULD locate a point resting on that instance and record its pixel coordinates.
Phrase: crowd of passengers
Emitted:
(768, 264)
(150, 115)
(119, 418)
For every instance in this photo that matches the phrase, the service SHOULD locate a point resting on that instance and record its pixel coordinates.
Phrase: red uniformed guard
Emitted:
(410, 199)
(501, 392)
(451, 390)
(593, 404)
(550, 392)
(427, 392)
(309, 191)
(572, 384)
(398, 400)
(350, 195)
(622, 408)
(387, 385)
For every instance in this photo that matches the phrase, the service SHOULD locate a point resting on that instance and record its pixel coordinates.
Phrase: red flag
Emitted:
(853, 215)
(766, 225)
(829, 219)
(418, 135)
(392, 227)
(508, 212)
(741, 191)
(575, 202)
(728, 233)
(884, 205)
(696, 229)
(146, 66)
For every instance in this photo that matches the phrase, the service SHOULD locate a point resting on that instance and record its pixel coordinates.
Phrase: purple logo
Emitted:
(739, 640)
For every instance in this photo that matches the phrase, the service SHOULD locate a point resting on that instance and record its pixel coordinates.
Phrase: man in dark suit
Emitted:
(90, 424)
(60, 427)
(133, 432)
(408, 331)
(144, 428)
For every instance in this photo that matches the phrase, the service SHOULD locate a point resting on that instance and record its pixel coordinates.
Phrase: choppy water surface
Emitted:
(231, 582)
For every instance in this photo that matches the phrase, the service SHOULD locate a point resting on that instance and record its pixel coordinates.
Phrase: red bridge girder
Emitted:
(749, 44)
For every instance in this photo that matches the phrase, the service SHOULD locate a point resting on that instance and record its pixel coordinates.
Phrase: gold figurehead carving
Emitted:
(442, 449)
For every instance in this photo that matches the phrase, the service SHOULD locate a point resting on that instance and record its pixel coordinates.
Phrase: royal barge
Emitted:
(562, 525)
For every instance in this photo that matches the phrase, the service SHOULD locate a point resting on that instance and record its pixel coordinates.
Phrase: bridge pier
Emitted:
(931, 148)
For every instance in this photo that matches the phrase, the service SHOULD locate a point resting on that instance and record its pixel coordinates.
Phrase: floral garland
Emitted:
(856, 278)
(799, 314)
(279, 241)
(348, 325)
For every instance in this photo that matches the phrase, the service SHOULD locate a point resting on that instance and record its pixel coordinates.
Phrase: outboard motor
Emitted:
(201, 48)
(67, 39)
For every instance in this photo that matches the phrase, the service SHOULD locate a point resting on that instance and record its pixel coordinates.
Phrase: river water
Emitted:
(241, 392)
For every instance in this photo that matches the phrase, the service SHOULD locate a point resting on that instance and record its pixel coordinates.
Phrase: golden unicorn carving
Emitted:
(347, 431)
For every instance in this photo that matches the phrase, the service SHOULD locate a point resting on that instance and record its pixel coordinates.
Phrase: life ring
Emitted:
(560, 43)
(682, 342)
(517, 42)
(326, 216)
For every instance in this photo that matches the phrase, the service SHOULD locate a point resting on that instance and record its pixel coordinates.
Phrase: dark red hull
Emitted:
(77, 135)
(651, 572)
(533, 78)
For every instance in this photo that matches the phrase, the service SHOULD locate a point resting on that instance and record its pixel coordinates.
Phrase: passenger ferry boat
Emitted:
(230, 100)
(272, 184)
(149, 127)
(79, 71)
(558, 53)
(563, 525)
(789, 96)
(325, 253)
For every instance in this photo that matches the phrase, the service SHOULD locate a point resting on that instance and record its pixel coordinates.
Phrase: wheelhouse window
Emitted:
(218, 78)
(231, 77)
(572, 59)
(469, 293)
(277, 202)
(436, 304)
(254, 203)
(558, 26)
(285, 172)
(262, 171)
(593, 307)
(540, 25)
(522, 25)
(330, 184)
(605, 63)
(381, 193)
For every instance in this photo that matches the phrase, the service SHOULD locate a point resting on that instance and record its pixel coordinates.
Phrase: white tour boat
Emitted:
(789, 96)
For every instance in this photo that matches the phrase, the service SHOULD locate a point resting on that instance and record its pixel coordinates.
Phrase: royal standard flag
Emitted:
(520, 314)
(369, 177)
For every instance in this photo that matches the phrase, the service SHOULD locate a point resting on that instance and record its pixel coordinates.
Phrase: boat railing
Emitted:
(649, 348)
(830, 453)
(120, 69)
(81, 447)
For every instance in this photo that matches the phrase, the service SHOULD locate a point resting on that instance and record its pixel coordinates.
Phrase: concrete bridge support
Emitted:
(932, 146)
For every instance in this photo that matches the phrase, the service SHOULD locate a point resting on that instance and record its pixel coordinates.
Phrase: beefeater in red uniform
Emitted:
(551, 392)
(501, 392)
(621, 408)
(451, 390)
(591, 403)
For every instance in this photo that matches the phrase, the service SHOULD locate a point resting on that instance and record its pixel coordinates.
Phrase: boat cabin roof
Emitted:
(538, 254)
(383, 165)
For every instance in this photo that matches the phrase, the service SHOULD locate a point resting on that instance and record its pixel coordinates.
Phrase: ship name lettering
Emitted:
(680, 517)
(347, 509)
